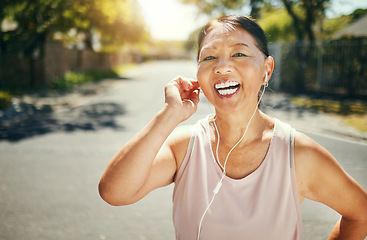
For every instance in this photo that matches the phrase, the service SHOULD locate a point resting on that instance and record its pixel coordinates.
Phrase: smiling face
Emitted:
(231, 68)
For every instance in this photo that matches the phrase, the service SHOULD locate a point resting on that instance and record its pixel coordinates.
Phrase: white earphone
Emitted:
(219, 184)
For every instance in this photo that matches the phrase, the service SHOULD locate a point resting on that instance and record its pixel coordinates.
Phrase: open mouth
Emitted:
(227, 88)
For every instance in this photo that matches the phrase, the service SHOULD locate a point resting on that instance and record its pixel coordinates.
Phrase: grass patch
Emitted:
(121, 70)
(353, 113)
(5, 100)
(357, 121)
(71, 79)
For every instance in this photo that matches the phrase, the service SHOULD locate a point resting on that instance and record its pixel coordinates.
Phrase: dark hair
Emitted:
(246, 23)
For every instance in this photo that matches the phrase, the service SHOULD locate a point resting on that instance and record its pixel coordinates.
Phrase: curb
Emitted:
(304, 120)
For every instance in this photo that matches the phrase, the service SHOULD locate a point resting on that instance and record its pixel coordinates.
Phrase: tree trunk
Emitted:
(297, 23)
(255, 9)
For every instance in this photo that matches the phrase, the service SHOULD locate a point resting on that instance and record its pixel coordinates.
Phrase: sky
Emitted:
(172, 20)
(340, 7)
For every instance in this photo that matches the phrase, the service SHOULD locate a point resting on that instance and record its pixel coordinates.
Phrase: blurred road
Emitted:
(50, 164)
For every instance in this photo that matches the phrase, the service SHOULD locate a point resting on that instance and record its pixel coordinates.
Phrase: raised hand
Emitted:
(182, 96)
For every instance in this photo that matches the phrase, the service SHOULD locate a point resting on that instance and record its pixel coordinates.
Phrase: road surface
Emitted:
(51, 164)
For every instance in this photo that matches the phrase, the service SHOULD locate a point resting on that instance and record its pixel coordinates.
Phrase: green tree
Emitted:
(256, 6)
(214, 7)
(332, 25)
(117, 22)
(277, 25)
(32, 22)
(304, 13)
(308, 14)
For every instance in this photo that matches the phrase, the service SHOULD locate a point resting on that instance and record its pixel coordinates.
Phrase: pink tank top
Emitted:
(263, 205)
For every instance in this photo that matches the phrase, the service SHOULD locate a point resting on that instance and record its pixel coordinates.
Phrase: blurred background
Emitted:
(43, 41)
(78, 78)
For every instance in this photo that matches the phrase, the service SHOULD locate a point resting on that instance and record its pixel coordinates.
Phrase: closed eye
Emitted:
(239, 55)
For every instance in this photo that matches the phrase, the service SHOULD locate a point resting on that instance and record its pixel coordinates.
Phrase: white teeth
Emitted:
(226, 85)
(224, 88)
(227, 91)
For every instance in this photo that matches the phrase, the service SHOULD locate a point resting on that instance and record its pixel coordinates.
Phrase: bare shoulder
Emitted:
(179, 141)
(311, 159)
(321, 178)
(309, 153)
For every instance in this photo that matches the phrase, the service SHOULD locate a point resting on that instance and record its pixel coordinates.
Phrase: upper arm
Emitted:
(167, 161)
(321, 178)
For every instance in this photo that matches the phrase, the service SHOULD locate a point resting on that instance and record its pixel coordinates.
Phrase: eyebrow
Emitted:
(209, 47)
(240, 44)
(234, 45)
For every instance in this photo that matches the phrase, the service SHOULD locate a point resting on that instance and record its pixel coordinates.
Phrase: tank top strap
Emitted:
(196, 130)
(292, 133)
(291, 147)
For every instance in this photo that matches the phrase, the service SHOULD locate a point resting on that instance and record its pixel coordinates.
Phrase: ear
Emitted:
(269, 67)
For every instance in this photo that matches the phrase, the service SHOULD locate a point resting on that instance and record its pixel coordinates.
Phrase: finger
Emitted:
(195, 84)
(193, 100)
(181, 84)
(187, 84)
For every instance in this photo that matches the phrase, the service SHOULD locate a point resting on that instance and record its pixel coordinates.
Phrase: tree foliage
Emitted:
(116, 21)
(332, 25)
(211, 7)
(277, 25)
(311, 11)
(304, 14)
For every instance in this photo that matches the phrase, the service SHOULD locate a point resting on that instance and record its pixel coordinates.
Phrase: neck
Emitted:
(232, 126)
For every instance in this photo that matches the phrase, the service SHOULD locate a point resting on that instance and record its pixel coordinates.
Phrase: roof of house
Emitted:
(355, 29)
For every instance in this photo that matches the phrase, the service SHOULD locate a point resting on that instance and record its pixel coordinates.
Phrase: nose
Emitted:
(224, 66)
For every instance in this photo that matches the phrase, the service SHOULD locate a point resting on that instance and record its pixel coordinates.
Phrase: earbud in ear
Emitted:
(266, 79)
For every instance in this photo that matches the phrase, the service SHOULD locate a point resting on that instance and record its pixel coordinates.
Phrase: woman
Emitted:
(239, 174)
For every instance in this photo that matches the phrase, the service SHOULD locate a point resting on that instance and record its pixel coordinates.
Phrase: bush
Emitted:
(72, 79)
(5, 100)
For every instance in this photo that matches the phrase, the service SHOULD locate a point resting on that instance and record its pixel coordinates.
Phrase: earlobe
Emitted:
(269, 67)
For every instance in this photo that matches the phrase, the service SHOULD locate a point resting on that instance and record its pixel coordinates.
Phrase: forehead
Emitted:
(221, 34)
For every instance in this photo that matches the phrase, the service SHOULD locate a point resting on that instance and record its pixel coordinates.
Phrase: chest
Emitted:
(243, 208)
(241, 161)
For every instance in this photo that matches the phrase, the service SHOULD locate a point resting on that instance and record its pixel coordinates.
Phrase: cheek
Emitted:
(201, 76)
(204, 83)
(198, 74)
(250, 71)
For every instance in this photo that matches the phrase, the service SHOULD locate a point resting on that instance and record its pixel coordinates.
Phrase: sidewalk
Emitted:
(39, 113)
(279, 105)
(276, 105)
(51, 101)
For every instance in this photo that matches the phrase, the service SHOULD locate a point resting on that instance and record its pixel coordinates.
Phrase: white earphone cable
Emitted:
(243, 136)
(219, 184)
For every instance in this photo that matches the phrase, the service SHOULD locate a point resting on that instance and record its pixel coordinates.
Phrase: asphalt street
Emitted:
(50, 164)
